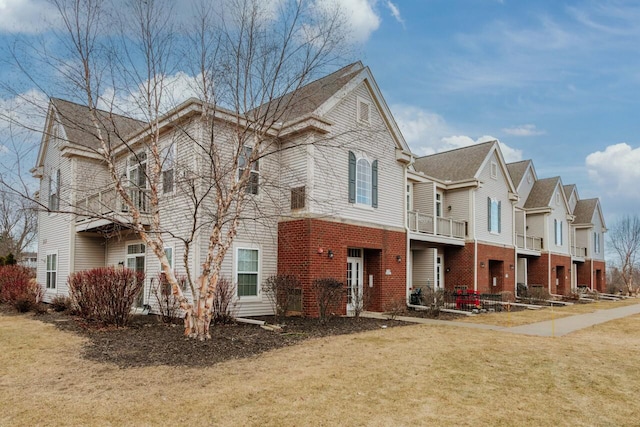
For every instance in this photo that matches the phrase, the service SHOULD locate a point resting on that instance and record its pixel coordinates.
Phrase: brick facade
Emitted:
(492, 261)
(304, 245)
(600, 276)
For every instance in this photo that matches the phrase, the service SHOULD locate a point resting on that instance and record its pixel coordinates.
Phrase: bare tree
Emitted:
(624, 237)
(248, 60)
(18, 224)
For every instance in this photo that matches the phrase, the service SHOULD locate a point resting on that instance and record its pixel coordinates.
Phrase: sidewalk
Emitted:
(556, 327)
(565, 325)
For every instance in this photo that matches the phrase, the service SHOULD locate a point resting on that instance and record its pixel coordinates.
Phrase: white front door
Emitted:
(135, 262)
(354, 280)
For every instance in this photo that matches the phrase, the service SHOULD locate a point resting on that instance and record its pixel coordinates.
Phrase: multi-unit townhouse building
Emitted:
(342, 197)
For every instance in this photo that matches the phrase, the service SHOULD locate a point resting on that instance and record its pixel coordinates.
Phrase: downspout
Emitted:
(475, 240)
(407, 260)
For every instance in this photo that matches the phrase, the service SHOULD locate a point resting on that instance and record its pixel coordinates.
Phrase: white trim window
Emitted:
(438, 204)
(168, 160)
(363, 182)
(247, 271)
(254, 177)
(494, 208)
(168, 251)
(52, 270)
(54, 190)
(557, 226)
(596, 242)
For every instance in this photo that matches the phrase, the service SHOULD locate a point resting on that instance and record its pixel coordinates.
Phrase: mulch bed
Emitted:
(149, 342)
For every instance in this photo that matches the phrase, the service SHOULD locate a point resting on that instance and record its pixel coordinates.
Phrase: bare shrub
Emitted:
(507, 296)
(18, 287)
(279, 289)
(106, 295)
(60, 303)
(224, 302)
(168, 304)
(329, 294)
(537, 293)
(395, 307)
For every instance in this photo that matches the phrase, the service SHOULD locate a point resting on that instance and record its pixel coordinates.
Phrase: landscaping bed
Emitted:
(149, 342)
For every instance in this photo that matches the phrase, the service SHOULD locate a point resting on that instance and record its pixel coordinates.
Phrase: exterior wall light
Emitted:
(398, 258)
(330, 254)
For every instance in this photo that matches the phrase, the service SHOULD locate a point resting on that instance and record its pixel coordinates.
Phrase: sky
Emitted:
(554, 81)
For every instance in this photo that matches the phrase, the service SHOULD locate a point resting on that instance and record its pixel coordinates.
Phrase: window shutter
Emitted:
(555, 230)
(374, 184)
(499, 217)
(560, 232)
(488, 213)
(352, 177)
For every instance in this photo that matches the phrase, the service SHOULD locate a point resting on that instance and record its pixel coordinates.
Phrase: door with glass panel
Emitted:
(354, 280)
(135, 262)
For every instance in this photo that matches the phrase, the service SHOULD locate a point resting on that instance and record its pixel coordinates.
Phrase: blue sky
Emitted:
(555, 81)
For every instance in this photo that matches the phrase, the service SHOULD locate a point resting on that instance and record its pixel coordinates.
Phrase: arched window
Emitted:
(363, 182)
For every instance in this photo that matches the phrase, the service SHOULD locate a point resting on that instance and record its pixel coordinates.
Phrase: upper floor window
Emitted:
(363, 111)
(168, 159)
(54, 191)
(557, 198)
(363, 181)
(494, 208)
(596, 242)
(137, 176)
(557, 225)
(529, 177)
(254, 175)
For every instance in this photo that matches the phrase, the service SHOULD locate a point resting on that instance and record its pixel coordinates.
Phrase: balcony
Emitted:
(529, 243)
(425, 224)
(106, 209)
(578, 251)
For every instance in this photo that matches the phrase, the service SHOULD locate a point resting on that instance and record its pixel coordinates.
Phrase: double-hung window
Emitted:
(494, 214)
(254, 175)
(52, 270)
(363, 181)
(137, 173)
(596, 242)
(247, 271)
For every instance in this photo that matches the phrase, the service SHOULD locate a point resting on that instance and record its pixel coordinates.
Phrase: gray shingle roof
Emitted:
(517, 170)
(76, 120)
(584, 211)
(541, 193)
(455, 165)
(309, 97)
(568, 189)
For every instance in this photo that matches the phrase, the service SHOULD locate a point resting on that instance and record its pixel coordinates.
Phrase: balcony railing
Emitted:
(427, 224)
(578, 251)
(529, 242)
(108, 201)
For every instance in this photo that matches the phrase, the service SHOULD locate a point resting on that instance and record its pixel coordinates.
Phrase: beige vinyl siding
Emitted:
(423, 197)
(572, 201)
(520, 222)
(498, 189)
(54, 230)
(295, 169)
(331, 165)
(584, 239)
(423, 269)
(459, 202)
(598, 228)
(90, 252)
(537, 228)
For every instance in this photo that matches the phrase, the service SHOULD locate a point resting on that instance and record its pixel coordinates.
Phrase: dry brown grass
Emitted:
(416, 375)
(525, 317)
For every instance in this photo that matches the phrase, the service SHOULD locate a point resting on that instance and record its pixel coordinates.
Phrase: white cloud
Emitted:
(22, 114)
(523, 130)
(395, 12)
(428, 133)
(616, 169)
(360, 16)
(25, 16)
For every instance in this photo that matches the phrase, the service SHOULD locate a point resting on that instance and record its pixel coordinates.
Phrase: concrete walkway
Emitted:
(556, 327)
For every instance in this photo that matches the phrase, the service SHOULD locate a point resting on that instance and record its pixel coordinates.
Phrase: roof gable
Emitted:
(461, 164)
(542, 193)
(518, 171)
(586, 210)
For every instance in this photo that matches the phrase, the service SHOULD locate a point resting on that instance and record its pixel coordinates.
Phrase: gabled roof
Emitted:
(309, 97)
(568, 189)
(585, 210)
(542, 193)
(517, 171)
(460, 164)
(79, 129)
